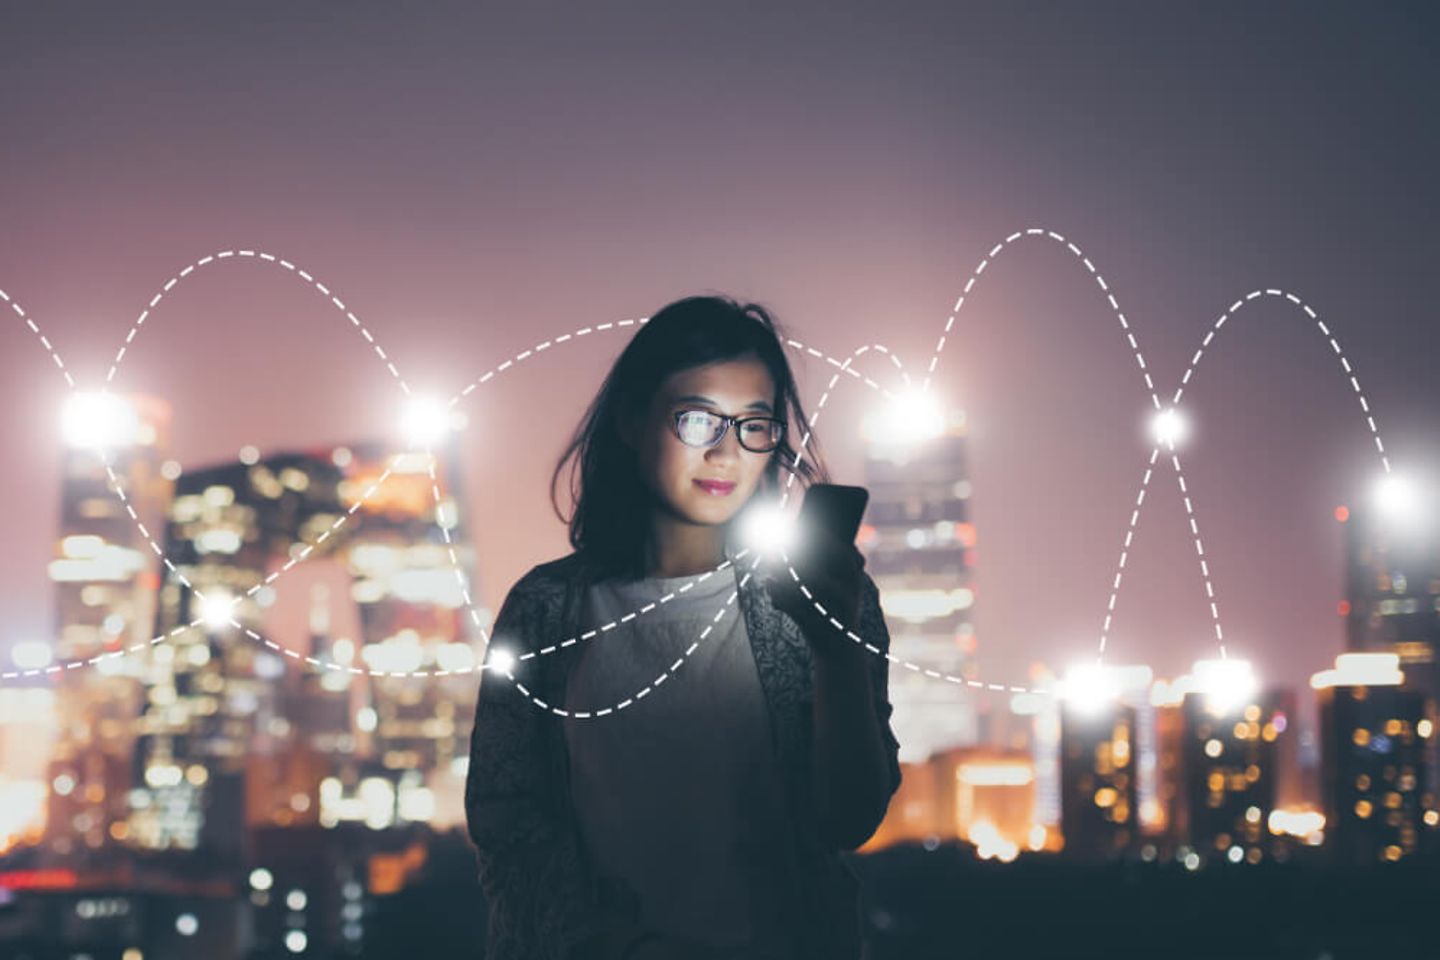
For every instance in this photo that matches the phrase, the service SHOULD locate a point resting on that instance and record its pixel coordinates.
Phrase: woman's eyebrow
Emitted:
(696, 398)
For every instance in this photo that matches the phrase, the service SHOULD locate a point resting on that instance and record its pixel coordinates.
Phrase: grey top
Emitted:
(542, 895)
(678, 793)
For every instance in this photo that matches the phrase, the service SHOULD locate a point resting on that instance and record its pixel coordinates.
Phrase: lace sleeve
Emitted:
(544, 900)
(874, 631)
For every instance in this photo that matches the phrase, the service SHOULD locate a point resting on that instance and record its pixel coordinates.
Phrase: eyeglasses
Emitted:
(701, 428)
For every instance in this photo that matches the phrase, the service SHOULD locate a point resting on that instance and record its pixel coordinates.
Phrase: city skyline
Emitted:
(1056, 407)
(207, 743)
(1119, 312)
(915, 535)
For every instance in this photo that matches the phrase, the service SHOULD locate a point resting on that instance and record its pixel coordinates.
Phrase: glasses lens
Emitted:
(761, 434)
(698, 428)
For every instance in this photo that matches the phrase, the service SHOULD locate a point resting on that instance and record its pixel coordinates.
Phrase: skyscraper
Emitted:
(1392, 602)
(1230, 761)
(1099, 805)
(1099, 754)
(920, 546)
(1373, 737)
(241, 731)
(104, 574)
(1392, 577)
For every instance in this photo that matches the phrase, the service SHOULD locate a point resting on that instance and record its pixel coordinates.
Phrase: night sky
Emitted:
(473, 181)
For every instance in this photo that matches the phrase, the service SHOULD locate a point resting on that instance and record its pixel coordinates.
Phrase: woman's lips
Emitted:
(715, 488)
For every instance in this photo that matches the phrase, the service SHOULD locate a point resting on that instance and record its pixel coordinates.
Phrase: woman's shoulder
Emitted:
(550, 578)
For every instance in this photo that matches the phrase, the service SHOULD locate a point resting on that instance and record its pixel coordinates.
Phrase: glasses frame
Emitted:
(725, 424)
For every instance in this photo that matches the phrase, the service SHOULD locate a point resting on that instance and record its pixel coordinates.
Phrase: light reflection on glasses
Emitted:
(703, 428)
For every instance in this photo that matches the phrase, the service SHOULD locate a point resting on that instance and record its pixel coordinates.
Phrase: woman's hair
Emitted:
(610, 522)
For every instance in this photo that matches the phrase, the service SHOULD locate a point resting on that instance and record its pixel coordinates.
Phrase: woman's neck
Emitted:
(680, 549)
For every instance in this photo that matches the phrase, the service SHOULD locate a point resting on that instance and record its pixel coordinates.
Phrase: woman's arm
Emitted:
(545, 902)
(855, 752)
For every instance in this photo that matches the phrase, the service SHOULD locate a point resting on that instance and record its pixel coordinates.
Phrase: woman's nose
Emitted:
(729, 445)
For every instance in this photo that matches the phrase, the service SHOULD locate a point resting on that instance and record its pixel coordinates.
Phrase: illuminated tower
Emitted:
(1162, 807)
(1393, 582)
(1234, 740)
(105, 576)
(1044, 746)
(919, 544)
(1374, 734)
(1099, 805)
(1392, 602)
(242, 731)
(215, 695)
(412, 613)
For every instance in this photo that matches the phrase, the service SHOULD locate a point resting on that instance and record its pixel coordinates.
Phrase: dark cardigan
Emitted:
(543, 894)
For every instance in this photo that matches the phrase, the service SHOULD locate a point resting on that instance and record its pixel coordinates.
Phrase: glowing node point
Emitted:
(502, 661)
(1088, 687)
(215, 610)
(1225, 684)
(768, 529)
(426, 422)
(1169, 428)
(1397, 498)
(99, 420)
(912, 416)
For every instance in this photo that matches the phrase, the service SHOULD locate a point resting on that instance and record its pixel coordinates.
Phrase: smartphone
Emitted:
(835, 508)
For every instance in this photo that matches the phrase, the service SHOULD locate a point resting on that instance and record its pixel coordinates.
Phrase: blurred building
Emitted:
(920, 548)
(311, 886)
(1099, 718)
(104, 576)
(27, 743)
(1392, 595)
(979, 795)
(1162, 812)
(240, 731)
(1235, 739)
(1374, 732)
(303, 891)
(1041, 707)
(1392, 580)
(995, 803)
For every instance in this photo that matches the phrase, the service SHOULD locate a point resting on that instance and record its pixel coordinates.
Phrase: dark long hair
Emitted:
(610, 521)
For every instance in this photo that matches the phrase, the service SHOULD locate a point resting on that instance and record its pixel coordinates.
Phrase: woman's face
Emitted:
(673, 469)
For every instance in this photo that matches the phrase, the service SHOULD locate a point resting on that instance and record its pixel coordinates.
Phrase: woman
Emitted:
(683, 786)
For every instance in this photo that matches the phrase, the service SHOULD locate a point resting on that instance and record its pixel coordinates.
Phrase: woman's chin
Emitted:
(707, 508)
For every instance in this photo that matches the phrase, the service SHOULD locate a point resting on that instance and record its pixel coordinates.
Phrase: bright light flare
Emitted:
(1169, 428)
(991, 843)
(1361, 670)
(768, 529)
(427, 421)
(99, 420)
(1226, 684)
(912, 415)
(1402, 502)
(215, 610)
(502, 661)
(1088, 688)
(1309, 825)
(22, 810)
